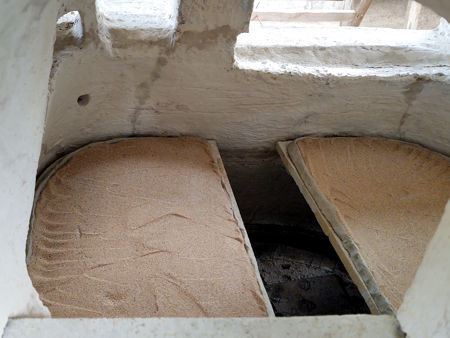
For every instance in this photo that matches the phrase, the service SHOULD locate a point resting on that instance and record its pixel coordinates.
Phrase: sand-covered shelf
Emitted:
(379, 201)
(142, 227)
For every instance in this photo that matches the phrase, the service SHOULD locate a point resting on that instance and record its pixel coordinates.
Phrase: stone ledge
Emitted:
(333, 326)
(346, 51)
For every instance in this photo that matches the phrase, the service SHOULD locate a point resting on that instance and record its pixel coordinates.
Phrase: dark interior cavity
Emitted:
(83, 100)
(301, 271)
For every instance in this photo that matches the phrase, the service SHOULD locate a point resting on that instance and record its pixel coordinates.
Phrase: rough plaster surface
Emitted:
(135, 95)
(25, 60)
(136, 22)
(357, 326)
(353, 51)
(141, 227)
(425, 311)
(248, 108)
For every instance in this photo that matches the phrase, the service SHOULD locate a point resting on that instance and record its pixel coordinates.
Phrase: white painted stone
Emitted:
(70, 23)
(425, 311)
(354, 51)
(69, 31)
(127, 23)
(350, 326)
(27, 30)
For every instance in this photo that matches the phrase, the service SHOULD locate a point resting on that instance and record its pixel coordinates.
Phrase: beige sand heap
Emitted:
(141, 228)
(378, 200)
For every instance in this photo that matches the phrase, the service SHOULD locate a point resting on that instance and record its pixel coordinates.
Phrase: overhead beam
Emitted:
(304, 15)
(412, 14)
(361, 10)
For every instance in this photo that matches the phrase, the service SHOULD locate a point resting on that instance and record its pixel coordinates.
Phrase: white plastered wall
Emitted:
(190, 84)
(190, 87)
(27, 30)
(425, 311)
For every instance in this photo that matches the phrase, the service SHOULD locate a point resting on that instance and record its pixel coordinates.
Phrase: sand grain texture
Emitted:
(384, 196)
(141, 228)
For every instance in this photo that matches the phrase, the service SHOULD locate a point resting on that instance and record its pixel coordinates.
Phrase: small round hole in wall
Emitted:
(83, 99)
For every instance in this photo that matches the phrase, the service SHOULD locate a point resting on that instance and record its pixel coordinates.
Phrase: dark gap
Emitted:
(300, 269)
(83, 100)
(302, 273)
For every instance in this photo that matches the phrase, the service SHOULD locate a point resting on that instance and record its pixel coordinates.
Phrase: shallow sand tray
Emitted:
(379, 201)
(142, 227)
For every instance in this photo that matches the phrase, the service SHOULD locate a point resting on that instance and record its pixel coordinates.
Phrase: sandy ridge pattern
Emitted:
(389, 197)
(141, 228)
